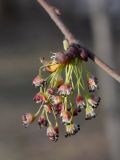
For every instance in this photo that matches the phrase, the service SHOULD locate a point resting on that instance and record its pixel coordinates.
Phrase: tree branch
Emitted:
(54, 14)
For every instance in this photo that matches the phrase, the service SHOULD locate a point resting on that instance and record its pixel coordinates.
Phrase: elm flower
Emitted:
(66, 117)
(80, 102)
(93, 101)
(64, 91)
(40, 97)
(38, 81)
(89, 113)
(92, 83)
(71, 129)
(53, 133)
(27, 119)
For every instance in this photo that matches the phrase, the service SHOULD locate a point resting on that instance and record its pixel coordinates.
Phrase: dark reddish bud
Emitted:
(61, 58)
(73, 51)
(83, 55)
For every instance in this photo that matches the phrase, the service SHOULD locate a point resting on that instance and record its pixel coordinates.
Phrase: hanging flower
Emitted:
(93, 100)
(52, 133)
(64, 92)
(89, 113)
(65, 89)
(92, 83)
(38, 81)
(27, 119)
(40, 97)
(71, 129)
(66, 117)
(80, 102)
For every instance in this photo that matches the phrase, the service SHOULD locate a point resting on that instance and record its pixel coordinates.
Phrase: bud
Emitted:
(84, 55)
(94, 101)
(37, 81)
(65, 89)
(73, 51)
(80, 102)
(65, 44)
(27, 119)
(66, 117)
(89, 113)
(52, 133)
(40, 98)
(92, 83)
(61, 58)
(71, 129)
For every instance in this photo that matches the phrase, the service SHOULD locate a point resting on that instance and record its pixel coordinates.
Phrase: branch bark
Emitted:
(54, 14)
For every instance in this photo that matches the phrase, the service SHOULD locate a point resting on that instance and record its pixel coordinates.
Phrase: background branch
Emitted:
(54, 14)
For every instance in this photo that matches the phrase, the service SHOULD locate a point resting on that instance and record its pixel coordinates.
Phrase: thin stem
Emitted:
(48, 118)
(56, 122)
(53, 13)
(37, 113)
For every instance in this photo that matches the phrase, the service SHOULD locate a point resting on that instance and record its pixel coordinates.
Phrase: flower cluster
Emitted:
(67, 89)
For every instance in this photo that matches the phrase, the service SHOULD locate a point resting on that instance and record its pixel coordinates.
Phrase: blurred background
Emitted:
(26, 34)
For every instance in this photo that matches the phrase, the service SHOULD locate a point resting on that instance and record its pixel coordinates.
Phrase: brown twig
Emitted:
(54, 14)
